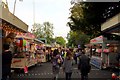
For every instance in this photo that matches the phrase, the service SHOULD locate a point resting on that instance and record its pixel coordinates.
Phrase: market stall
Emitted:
(25, 55)
(40, 51)
(104, 52)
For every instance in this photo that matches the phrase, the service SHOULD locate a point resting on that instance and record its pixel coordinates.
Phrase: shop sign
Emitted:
(26, 35)
(96, 61)
(97, 40)
(16, 61)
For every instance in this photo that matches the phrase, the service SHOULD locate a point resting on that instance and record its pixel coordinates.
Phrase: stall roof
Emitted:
(97, 40)
(102, 39)
(38, 40)
(112, 25)
(48, 45)
(7, 16)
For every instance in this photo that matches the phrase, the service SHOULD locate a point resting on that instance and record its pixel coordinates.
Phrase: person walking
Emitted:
(6, 62)
(84, 66)
(75, 57)
(67, 65)
(56, 63)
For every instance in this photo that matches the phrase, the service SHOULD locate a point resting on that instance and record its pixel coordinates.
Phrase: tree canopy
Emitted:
(76, 38)
(60, 40)
(88, 17)
(44, 30)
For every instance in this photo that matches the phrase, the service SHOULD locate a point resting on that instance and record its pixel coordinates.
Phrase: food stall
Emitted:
(25, 55)
(12, 24)
(40, 51)
(104, 52)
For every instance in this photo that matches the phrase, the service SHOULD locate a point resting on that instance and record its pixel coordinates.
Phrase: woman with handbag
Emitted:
(56, 60)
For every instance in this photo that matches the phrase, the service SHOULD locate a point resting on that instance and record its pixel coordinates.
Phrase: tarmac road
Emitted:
(44, 71)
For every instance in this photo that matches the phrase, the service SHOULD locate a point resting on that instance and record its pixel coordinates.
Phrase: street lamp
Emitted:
(15, 6)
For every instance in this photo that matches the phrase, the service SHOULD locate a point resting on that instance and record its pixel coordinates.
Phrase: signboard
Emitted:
(96, 61)
(18, 62)
(97, 40)
(22, 62)
(26, 35)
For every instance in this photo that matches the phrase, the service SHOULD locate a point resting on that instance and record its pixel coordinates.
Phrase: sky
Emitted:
(53, 11)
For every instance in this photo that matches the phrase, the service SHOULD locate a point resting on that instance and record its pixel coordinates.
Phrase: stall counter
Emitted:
(22, 62)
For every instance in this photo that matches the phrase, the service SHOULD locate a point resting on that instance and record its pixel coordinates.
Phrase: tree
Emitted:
(76, 38)
(60, 40)
(88, 17)
(80, 19)
(48, 31)
(38, 30)
(71, 37)
(44, 30)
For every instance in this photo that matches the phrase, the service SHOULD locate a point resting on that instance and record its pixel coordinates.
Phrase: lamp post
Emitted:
(15, 5)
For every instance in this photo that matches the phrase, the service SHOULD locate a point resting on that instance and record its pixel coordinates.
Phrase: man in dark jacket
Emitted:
(84, 66)
(6, 62)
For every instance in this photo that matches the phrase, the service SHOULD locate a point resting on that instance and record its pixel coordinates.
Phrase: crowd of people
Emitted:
(66, 59)
(60, 58)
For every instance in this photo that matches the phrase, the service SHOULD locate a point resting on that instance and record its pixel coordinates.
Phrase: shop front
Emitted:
(104, 52)
(112, 26)
(25, 55)
(22, 43)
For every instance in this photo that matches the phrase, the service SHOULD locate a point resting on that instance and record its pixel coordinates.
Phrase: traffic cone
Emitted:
(25, 69)
(114, 77)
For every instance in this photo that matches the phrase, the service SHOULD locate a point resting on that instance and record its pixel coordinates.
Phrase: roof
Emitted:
(37, 40)
(8, 17)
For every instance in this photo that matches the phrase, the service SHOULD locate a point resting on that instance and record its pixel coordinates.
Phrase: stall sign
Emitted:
(97, 40)
(96, 61)
(26, 35)
(16, 61)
